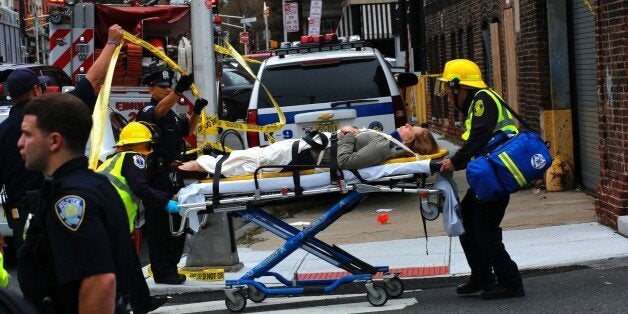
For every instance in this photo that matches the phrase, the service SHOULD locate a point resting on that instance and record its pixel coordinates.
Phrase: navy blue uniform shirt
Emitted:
(170, 144)
(134, 171)
(16, 179)
(482, 127)
(87, 230)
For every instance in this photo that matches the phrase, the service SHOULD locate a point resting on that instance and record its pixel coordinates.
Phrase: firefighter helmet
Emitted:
(459, 72)
(135, 133)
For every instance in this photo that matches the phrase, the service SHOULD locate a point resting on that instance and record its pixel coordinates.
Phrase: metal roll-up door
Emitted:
(583, 32)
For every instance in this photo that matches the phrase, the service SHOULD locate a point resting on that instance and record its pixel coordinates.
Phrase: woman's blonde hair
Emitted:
(424, 144)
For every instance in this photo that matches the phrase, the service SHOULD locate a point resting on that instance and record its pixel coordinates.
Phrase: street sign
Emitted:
(248, 20)
(244, 37)
(291, 16)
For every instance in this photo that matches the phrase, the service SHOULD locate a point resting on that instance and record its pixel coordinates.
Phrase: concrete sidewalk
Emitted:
(542, 230)
(546, 247)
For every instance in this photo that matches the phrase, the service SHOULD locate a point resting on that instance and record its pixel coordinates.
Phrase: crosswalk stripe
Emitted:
(356, 307)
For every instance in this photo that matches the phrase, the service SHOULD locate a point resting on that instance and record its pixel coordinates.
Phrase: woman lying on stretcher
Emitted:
(356, 149)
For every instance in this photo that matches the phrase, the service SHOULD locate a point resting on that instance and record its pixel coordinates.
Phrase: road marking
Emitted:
(355, 307)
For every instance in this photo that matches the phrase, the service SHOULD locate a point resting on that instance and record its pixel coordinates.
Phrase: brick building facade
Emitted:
(508, 39)
(612, 79)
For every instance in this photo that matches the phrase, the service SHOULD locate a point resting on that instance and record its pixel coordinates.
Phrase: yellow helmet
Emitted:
(466, 71)
(135, 133)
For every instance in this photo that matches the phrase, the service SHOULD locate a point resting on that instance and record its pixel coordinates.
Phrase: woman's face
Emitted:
(408, 133)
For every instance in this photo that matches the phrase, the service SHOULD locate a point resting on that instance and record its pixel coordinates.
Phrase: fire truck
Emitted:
(78, 31)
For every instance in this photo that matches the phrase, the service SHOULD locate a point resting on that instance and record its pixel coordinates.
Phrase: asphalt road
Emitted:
(600, 287)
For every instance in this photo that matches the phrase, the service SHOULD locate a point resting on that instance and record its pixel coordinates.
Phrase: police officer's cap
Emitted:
(160, 78)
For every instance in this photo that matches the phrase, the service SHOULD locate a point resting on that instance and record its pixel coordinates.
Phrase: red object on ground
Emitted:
(383, 218)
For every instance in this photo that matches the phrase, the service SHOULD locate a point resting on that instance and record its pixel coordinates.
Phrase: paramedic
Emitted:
(77, 252)
(24, 85)
(356, 149)
(126, 171)
(492, 270)
(164, 249)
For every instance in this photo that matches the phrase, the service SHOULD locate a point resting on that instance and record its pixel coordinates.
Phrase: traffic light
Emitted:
(215, 4)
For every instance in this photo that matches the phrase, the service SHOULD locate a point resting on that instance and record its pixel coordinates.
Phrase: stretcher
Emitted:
(245, 196)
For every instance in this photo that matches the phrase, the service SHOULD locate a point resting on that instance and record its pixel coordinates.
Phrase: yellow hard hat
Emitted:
(466, 71)
(135, 133)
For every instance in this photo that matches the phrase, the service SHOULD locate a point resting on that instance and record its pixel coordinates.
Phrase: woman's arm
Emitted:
(352, 155)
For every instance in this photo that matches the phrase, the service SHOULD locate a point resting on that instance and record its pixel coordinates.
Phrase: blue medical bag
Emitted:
(509, 167)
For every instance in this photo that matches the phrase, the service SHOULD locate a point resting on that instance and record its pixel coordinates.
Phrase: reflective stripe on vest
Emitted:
(112, 168)
(505, 122)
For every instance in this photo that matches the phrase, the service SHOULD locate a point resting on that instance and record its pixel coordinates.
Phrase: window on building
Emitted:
(486, 53)
(469, 44)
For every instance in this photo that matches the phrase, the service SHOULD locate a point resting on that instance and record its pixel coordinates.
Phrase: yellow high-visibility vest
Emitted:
(112, 168)
(505, 121)
(4, 275)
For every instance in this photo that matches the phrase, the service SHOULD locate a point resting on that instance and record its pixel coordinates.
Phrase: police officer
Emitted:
(24, 85)
(492, 269)
(165, 250)
(77, 242)
(126, 171)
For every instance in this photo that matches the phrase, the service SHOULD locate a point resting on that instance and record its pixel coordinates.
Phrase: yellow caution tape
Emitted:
(588, 4)
(212, 122)
(207, 274)
(99, 116)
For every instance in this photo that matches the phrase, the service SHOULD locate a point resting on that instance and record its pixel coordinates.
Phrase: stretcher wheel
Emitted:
(255, 295)
(379, 299)
(431, 212)
(394, 287)
(237, 305)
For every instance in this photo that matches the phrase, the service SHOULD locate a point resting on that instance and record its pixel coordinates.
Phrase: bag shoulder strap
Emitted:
(515, 114)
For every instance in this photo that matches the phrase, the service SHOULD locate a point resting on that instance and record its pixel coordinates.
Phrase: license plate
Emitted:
(328, 126)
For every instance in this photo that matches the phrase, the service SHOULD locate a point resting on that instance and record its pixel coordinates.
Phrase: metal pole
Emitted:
(283, 10)
(246, 44)
(36, 25)
(213, 246)
(266, 35)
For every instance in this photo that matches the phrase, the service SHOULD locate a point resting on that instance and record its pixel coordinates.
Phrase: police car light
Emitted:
(327, 42)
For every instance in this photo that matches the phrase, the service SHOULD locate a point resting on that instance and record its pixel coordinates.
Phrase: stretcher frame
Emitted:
(250, 207)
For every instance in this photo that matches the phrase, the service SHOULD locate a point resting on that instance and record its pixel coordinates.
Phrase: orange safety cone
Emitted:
(383, 218)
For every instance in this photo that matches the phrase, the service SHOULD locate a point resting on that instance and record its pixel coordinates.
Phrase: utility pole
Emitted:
(283, 18)
(214, 246)
(246, 44)
(35, 11)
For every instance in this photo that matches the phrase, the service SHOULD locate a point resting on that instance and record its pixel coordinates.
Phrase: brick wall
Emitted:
(532, 56)
(443, 17)
(612, 75)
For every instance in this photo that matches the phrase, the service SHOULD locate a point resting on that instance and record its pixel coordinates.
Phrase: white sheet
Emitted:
(196, 192)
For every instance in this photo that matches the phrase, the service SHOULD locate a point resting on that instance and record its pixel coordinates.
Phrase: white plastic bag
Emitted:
(452, 223)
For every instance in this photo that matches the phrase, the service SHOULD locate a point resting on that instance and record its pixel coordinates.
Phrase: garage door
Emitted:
(583, 33)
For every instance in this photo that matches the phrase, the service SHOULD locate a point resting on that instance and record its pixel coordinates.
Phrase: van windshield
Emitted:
(296, 84)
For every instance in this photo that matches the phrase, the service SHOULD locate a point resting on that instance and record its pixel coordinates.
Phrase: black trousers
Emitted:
(140, 294)
(164, 250)
(482, 242)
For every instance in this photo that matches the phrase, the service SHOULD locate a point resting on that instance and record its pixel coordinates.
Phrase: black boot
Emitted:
(155, 303)
(499, 292)
(174, 279)
(472, 287)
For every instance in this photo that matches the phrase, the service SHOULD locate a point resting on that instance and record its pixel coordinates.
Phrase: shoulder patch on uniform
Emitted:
(478, 108)
(146, 108)
(70, 210)
(139, 162)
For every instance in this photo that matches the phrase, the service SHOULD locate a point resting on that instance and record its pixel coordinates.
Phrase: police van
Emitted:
(322, 87)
